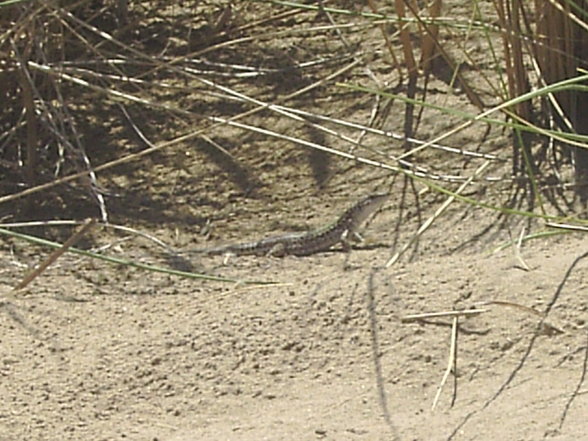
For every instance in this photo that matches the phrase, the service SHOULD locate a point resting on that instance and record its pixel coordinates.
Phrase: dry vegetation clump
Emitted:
(110, 100)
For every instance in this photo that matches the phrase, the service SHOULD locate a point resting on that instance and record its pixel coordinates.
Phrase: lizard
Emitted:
(306, 242)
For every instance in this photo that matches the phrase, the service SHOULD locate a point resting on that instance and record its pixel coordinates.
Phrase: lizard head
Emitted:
(366, 206)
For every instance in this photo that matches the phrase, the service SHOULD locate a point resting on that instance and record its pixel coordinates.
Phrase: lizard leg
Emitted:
(278, 250)
(227, 258)
(345, 242)
(344, 235)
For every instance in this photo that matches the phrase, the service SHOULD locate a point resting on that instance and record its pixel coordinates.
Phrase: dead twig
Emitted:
(86, 226)
(451, 365)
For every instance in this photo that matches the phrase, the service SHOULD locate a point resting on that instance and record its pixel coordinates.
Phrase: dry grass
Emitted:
(546, 50)
(186, 69)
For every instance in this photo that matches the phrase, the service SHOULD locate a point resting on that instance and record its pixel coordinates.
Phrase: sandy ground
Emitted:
(94, 351)
(156, 358)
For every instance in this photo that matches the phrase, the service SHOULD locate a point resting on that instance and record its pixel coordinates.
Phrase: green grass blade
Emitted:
(130, 263)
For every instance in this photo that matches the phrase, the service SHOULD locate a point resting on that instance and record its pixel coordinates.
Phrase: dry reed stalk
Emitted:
(32, 136)
(558, 46)
(509, 17)
(561, 30)
(404, 34)
(430, 37)
(412, 69)
(432, 45)
(387, 42)
(553, 47)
